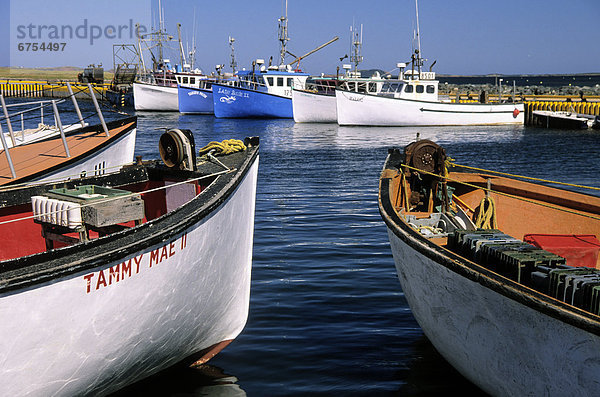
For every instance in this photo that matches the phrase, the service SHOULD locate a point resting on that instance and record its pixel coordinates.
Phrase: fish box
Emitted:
(102, 206)
(577, 249)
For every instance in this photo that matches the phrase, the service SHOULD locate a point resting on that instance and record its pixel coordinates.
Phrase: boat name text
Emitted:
(133, 266)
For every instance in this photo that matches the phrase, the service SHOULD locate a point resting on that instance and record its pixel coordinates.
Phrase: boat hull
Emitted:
(195, 100)
(363, 109)
(235, 102)
(95, 331)
(155, 97)
(310, 107)
(499, 344)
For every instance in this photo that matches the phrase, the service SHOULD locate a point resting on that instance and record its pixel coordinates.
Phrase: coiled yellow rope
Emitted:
(227, 146)
(486, 217)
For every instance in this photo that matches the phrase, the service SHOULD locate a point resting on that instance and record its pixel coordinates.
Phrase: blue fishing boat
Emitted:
(266, 93)
(195, 100)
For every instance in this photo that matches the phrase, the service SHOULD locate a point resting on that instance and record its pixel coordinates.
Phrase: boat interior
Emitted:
(530, 232)
(87, 209)
(54, 215)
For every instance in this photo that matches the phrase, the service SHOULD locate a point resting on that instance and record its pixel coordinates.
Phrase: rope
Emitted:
(449, 162)
(227, 146)
(505, 194)
(486, 218)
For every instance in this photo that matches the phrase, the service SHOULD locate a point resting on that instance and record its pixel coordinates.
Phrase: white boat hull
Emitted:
(108, 159)
(155, 97)
(93, 332)
(501, 345)
(362, 109)
(313, 108)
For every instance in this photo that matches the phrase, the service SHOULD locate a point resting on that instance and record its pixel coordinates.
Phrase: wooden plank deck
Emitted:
(36, 157)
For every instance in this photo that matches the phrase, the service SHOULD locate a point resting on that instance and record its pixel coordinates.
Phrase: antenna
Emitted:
(233, 63)
(356, 40)
(283, 35)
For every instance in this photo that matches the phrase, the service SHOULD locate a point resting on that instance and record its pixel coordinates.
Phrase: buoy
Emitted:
(516, 113)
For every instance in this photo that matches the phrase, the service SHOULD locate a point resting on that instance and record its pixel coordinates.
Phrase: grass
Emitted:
(45, 74)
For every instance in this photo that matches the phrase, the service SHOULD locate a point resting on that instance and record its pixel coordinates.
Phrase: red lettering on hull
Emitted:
(127, 269)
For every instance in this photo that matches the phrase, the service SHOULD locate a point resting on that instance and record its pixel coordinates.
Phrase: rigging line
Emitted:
(504, 194)
(524, 177)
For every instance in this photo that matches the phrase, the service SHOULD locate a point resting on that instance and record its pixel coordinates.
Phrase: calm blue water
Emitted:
(327, 315)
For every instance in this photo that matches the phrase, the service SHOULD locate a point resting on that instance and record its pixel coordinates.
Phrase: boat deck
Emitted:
(34, 158)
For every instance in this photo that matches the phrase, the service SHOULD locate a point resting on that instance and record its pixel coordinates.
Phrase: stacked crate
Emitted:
(529, 265)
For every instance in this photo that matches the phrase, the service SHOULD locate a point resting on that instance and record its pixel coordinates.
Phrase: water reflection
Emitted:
(429, 374)
(204, 380)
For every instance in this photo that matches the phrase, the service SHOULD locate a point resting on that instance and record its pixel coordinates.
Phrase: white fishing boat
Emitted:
(62, 151)
(149, 96)
(316, 102)
(156, 90)
(501, 273)
(413, 100)
(109, 279)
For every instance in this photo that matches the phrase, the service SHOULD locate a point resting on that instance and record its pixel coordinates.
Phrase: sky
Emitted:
(464, 37)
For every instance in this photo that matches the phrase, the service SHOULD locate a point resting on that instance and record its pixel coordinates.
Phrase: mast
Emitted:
(419, 59)
(181, 51)
(356, 40)
(283, 36)
(161, 24)
(232, 63)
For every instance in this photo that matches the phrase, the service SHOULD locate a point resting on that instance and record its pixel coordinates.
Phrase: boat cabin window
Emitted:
(391, 87)
(372, 87)
(351, 86)
(409, 88)
(270, 81)
(420, 89)
(192, 80)
(290, 82)
(185, 80)
(279, 81)
(179, 79)
(430, 89)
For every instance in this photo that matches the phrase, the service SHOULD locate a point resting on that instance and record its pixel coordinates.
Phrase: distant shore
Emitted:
(587, 84)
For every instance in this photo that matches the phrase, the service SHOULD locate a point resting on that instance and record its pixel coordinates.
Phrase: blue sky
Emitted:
(464, 37)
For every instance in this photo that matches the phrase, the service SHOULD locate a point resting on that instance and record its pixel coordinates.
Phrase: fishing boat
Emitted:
(316, 102)
(108, 279)
(265, 93)
(413, 100)
(62, 151)
(195, 100)
(156, 89)
(266, 90)
(500, 272)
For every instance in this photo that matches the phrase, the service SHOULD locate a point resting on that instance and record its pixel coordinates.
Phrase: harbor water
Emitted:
(327, 314)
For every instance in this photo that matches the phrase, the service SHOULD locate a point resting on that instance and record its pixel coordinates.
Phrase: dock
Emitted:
(38, 89)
